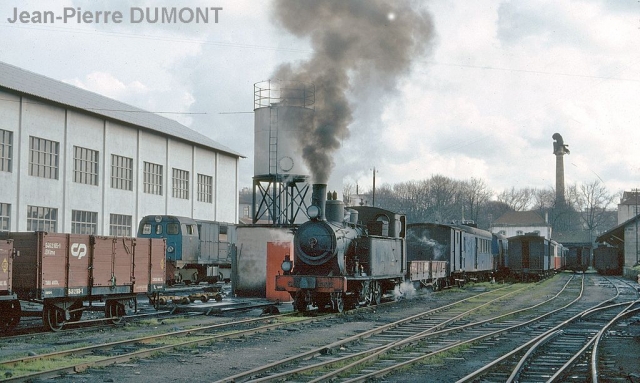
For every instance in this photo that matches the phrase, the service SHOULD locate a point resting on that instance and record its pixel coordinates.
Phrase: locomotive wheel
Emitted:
(338, 302)
(300, 302)
(52, 317)
(10, 313)
(218, 297)
(322, 300)
(76, 315)
(114, 311)
(376, 293)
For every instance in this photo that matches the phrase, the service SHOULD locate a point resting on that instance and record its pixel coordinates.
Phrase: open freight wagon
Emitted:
(63, 271)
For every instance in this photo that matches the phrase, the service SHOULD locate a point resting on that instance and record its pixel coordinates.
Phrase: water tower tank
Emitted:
(283, 109)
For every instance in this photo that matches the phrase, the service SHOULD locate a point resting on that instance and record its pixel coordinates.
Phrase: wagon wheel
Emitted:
(114, 311)
(204, 298)
(76, 315)
(10, 313)
(52, 317)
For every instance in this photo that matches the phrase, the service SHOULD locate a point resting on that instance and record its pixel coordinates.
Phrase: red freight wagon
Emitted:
(9, 304)
(64, 270)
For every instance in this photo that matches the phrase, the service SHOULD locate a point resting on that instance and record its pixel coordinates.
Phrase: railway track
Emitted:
(377, 352)
(564, 352)
(476, 328)
(77, 359)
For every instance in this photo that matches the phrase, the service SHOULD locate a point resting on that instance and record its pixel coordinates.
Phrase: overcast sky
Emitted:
(482, 97)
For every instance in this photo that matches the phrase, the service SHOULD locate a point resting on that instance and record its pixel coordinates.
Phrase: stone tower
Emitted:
(559, 149)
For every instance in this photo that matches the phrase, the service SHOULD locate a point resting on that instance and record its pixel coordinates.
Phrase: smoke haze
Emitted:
(357, 44)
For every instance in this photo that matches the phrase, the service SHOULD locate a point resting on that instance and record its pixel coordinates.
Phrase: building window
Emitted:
(152, 178)
(120, 225)
(85, 166)
(43, 158)
(180, 183)
(205, 188)
(6, 150)
(84, 222)
(5, 217)
(42, 219)
(519, 232)
(121, 172)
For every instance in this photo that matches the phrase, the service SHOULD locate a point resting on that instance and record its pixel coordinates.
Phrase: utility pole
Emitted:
(373, 199)
(636, 191)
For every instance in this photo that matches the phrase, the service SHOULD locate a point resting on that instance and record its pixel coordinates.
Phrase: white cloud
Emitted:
(502, 77)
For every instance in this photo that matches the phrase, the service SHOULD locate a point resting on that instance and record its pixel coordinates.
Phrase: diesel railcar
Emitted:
(63, 271)
(197, 250)
(342, 262)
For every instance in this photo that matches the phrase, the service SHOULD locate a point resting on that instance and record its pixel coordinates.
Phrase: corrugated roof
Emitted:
(38, 86)
(615, 236)
(520, 218)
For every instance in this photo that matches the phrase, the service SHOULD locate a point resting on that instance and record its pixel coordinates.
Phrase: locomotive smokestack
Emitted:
(319, 198)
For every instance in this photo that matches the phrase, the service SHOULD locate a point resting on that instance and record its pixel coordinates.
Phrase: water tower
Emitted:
(282, 110)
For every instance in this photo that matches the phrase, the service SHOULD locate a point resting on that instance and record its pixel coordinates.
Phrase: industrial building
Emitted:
(72, 161)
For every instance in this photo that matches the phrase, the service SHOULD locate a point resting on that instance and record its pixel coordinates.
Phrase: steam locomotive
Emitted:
(344, 260)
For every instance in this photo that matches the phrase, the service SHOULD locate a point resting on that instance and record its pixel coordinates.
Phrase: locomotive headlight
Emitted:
(287, 265)
(313, 212)
(170, 249)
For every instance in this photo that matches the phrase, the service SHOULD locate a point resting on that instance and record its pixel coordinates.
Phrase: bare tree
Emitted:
(474, 194)
(518, 199)
(443, 194)
(592, 200)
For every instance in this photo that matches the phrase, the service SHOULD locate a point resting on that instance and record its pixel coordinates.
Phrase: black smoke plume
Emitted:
(357, 44)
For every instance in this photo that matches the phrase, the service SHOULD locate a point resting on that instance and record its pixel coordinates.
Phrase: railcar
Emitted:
(343, 262)
(500, 251)
(63, 271)
(530, 257)
(197, 250)
(578, 258)
(608, 260)
(466, 249)
(9, 305)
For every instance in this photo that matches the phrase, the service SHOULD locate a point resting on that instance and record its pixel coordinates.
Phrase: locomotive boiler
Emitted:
(344, 257)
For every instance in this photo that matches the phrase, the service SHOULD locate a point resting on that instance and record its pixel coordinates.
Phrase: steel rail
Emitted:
(76, 367)
(324, 349)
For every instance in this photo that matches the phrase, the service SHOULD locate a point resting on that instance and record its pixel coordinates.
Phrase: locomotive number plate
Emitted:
(304, 282)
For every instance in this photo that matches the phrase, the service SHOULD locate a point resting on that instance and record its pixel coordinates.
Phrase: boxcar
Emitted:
(608, 260)
(529, 257)
(62, 271)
